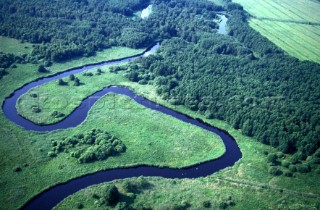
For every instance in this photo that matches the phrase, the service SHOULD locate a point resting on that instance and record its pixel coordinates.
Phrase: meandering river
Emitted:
(51, 197)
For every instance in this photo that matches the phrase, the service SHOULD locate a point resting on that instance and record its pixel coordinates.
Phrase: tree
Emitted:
(76, 81)
(61, 82)
(71, 77)
(42, 69)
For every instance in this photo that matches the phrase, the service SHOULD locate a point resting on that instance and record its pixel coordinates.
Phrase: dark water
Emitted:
(50, 198)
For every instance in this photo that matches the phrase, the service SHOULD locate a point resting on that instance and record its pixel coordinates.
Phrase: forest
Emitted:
(241, 78)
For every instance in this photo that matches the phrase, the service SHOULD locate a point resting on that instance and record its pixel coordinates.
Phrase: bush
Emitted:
(35, 109)
(52, 154)
(288, 173)
(206, 204)
(57, 114)
(273, 159)
(61, 82)
(275, 171)
(79, 206)
(17, 169)
(42, 69)
(110, 196)
(72, 77)
(303, 168)
(34, 95)
(292, 168)
(88, 74)
(285, 163)
(76, 82)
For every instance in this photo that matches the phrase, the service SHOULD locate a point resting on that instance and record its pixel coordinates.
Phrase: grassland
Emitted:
(151, 138)
(13, 46)
(294, 25)
(63, 98)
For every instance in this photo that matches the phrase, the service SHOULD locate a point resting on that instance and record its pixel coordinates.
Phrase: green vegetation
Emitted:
(64, 95)
(241, 78)
(85, 27)
(91, 146)
(160, 140)
(294, 25)
(14, 46)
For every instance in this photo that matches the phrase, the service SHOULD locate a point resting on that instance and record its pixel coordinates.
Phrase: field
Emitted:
(13, 46)
(294, 25)
(174, 144)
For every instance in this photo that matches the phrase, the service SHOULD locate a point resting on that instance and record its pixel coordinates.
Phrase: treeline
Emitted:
(243, 79)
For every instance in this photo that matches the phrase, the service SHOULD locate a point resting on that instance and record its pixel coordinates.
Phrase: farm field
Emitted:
(294, 25)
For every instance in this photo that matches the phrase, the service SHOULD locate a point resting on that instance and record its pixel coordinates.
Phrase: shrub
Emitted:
(61, 82)
(275, 171)
(292, 168)
(17, 169)
(57, 114)
(42, 69)
(110, 196)
(303, 168)
(79, 206)
(285, 163)
(206, 204)
(273, 159)
(89, 74)
(72, 77)
(76, 82)
(52, 154)
(288, 173)
(99, 71)
(34, 95)
(35, 109)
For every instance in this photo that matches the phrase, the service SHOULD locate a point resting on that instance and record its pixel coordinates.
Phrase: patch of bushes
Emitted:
(35, 109)
(61, 82)
(226, 202)
(57, 114)
(88, 74)
(91, 146)
(42, 69)
(275, 171)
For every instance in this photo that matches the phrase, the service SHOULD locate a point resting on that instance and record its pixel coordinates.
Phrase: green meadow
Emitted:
(294, 25)
(13, 46)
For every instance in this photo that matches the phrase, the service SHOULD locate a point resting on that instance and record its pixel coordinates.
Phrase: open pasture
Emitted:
(294, 25)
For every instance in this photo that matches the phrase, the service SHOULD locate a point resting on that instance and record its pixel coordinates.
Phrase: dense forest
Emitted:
(241, 77)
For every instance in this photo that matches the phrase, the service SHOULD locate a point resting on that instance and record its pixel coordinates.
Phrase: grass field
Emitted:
(292, 25)
(8, 45)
